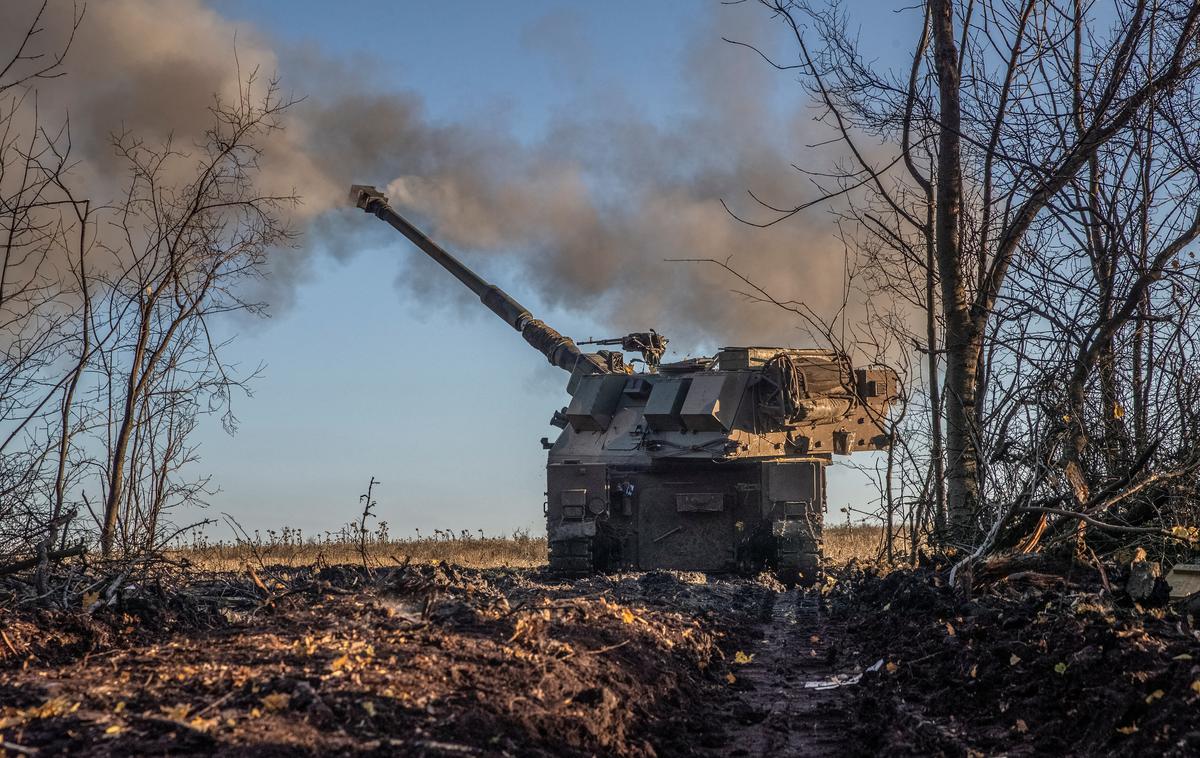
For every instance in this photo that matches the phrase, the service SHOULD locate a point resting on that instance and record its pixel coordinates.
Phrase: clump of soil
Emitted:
(417, 659)
(1040, 659)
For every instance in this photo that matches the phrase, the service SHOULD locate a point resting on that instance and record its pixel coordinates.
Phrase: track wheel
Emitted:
(572, 557)
(797, 554)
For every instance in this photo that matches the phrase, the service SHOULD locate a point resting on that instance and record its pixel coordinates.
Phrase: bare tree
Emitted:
(39, 313)
(180, 252)
(107, 358)
(1022, 137)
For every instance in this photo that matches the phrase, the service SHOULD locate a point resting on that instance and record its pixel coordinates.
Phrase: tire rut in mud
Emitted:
(770, 711)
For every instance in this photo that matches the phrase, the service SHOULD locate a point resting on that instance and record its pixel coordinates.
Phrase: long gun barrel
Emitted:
(560, 350)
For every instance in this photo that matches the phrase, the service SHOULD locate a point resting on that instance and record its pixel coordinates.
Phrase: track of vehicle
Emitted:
(773, 711)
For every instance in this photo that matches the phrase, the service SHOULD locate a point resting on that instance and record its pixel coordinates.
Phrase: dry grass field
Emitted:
(469, 550)
(289, 548)
(845, 542)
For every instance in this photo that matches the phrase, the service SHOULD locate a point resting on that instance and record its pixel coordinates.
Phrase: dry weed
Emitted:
(473, 550)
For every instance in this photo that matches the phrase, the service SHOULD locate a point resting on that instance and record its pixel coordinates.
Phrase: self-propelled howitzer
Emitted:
(706, 464)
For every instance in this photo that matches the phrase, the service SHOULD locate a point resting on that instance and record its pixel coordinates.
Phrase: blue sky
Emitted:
(444, 405)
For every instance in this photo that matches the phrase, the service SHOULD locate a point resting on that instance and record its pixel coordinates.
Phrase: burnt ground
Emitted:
(443, 661)
(1046, 657)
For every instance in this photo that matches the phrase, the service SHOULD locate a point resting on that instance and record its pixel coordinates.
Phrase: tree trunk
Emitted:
(962, 343)
(936, 453)
(962, 455)
(85, 350)
(116, 481)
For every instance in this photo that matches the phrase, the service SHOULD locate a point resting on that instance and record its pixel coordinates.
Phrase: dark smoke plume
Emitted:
(585, 217)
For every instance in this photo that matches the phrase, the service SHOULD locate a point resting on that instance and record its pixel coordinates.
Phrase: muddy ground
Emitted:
(443, 661)
(1045, 657)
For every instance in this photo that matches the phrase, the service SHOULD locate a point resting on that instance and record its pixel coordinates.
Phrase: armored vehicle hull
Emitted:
(744, 516)
(698, 467)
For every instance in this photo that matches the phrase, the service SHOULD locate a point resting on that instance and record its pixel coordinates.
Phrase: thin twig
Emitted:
(1095, 522)
(8, 643)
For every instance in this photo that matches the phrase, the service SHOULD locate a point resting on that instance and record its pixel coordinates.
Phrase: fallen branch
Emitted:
(53, 555)
(1133, 489)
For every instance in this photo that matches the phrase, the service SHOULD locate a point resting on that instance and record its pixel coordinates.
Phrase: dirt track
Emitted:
(773, 705)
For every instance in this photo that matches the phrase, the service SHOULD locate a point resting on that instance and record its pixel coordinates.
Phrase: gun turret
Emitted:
(558, 349)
